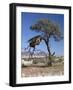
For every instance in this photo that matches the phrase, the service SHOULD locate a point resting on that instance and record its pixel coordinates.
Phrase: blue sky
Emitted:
(28, 19)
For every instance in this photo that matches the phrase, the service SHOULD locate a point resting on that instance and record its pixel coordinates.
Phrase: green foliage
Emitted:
(48, 28)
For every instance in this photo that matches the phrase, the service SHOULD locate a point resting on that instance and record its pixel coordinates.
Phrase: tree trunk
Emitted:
(49, 52)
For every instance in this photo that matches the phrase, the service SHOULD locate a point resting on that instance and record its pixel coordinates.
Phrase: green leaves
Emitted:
(48, 27)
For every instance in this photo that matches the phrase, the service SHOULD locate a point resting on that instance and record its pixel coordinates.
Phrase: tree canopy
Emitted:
(48, 29)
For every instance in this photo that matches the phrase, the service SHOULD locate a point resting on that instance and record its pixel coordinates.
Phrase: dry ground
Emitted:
(55, 69)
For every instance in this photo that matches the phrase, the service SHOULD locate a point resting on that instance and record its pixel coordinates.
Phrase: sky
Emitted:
(28, 19)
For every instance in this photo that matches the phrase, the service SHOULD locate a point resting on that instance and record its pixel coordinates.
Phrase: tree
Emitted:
(48, 29)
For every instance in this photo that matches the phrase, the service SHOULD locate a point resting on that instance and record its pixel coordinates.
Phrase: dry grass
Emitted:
(55, 69)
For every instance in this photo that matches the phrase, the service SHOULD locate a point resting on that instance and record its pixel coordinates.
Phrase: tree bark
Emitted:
(49, 52)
